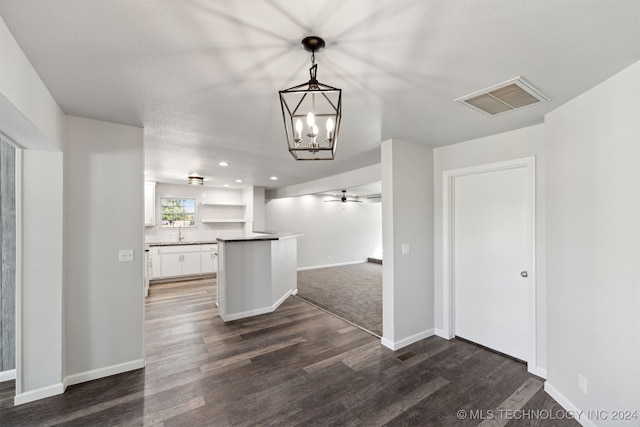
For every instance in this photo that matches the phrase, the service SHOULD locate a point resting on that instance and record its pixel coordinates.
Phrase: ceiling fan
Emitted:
(344, 199)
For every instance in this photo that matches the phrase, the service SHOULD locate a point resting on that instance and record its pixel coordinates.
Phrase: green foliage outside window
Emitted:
(178, 212)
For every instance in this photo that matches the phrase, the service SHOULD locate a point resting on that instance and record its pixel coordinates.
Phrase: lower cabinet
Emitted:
(155, 261)
(209, 259)
(183, 260)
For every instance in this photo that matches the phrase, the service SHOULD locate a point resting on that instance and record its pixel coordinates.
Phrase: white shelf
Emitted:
(224, 204)
(223, 220)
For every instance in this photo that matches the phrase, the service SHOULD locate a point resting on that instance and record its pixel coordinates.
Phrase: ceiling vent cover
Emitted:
(508, 96)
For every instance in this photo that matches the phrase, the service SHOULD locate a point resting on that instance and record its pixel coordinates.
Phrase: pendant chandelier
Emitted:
(308, 107)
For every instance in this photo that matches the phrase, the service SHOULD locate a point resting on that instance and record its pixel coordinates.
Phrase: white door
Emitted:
(491, 246)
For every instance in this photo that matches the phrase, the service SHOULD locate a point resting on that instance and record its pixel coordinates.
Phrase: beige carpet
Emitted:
(353, 292)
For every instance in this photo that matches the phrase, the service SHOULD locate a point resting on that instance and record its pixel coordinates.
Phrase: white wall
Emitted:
(258, 200)
(593, 247)
(407, 218)
(40, 333)
(332, 233)
(354, 178)
(201, 231)
(28, 113)
(496, 148)
(103, 204)
(31, 118)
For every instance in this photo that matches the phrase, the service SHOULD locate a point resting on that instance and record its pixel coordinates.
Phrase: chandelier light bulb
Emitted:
(298, 130)
(310, 119)
(314, 130)
(329, 124)
(329, 129)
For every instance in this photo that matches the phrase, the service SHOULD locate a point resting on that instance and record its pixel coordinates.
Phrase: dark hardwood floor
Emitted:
(297, 366)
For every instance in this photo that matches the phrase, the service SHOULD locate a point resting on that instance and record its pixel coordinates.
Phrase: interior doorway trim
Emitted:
(15, 374)
(448, 303)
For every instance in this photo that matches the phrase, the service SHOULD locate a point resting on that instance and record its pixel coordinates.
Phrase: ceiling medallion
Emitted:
(313, 102)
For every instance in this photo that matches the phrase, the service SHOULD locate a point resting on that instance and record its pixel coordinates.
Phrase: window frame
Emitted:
(180, 202)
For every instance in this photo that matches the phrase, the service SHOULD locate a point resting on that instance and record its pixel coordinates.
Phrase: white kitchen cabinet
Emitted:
(155, 259)
(171, 265)
(190, 263)
(169, 261)
(209, 259)
(180, 260)
(149, 203)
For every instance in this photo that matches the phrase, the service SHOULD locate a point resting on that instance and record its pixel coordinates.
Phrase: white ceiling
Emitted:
(202, 76)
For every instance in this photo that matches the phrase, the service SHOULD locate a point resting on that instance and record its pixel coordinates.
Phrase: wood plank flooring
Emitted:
(297, 366)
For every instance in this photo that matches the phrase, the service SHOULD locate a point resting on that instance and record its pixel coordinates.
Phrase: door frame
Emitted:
(15, 374)
(448, 279)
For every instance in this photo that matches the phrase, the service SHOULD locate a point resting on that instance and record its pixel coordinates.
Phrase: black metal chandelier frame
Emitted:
(319, 100)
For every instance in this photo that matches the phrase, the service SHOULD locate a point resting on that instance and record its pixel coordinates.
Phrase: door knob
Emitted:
(524, 273)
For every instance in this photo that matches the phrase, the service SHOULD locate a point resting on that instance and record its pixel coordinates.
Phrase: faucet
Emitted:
(180, 235)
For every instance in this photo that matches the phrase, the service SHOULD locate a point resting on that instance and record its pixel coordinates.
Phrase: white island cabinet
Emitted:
(256, 273)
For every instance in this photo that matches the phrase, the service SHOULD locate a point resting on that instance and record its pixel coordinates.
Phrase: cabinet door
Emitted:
(156, 262)
(171, 265)
(190, 263)
(207, 262)
(149, 203)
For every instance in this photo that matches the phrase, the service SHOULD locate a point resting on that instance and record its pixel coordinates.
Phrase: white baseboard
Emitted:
(396, 345)
(541, 372)
(314, 267)
(104, 372)
(7, 375)
(441, 333)
(579, 415)
(258, 311)
(41, 393)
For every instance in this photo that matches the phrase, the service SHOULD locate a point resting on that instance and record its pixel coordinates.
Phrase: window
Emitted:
(178, 212)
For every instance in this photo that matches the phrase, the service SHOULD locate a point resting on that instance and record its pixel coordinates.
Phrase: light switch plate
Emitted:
(125, 255)
(405, 248)
(582, 383)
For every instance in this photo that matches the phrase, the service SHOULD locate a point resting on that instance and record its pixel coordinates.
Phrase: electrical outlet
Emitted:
(125, 255)
(582, 383)
(405, 248)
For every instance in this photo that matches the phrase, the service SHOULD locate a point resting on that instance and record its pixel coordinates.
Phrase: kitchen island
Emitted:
(256, 273)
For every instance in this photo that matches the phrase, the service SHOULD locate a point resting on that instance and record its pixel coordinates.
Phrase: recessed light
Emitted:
(274, 178)
(226, 185)
(238, 181)
(223, 163)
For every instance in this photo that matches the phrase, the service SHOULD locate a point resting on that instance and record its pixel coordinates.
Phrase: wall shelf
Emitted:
(237, 220)
(224, 204)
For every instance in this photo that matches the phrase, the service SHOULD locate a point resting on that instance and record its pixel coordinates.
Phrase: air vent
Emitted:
(508, 96)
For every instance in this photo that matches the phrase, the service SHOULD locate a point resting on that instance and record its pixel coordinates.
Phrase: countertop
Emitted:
(240, 237)
(184, 242)
(266, 235)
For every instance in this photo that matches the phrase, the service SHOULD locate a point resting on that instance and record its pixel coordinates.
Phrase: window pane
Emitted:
(178, 212)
